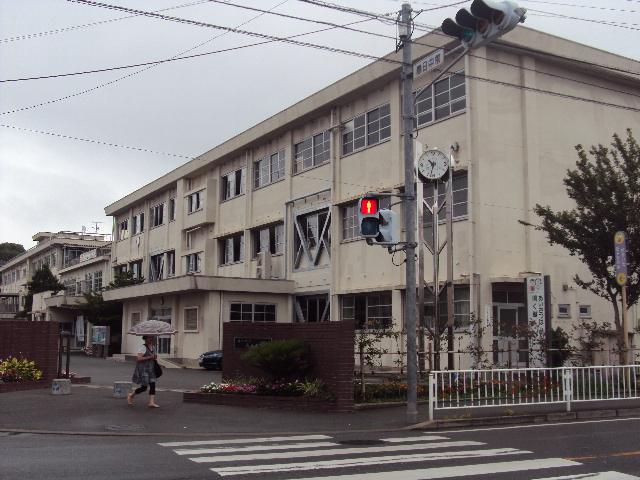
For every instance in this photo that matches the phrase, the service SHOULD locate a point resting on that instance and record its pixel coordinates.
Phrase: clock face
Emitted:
(433, 164)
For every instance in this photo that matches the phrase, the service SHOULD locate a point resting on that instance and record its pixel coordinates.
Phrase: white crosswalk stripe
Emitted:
(308, 455)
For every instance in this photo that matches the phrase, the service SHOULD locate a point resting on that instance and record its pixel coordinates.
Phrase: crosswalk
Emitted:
(322, 457)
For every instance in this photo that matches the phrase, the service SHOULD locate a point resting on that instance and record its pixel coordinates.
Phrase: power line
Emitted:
(173, 59)
(628, 26)
(233, 30)
(82, 92)
(428, 45)
(573, 5)
(90, 140)
(87, 25)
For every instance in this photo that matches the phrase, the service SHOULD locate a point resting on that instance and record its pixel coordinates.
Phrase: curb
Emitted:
(527, 419)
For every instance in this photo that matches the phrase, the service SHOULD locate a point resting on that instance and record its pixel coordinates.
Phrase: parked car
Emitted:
(211, 360)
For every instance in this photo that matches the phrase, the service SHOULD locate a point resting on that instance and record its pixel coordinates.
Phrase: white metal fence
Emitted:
(531, 386)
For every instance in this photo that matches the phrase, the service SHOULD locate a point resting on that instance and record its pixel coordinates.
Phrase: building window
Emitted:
(313, 235)
(194, 202)
(156, 267)
(350, 226)
(312, 151)
(584, 311)
(268, 169)
(460, 201)
(368, 310)
(97, 281)
(252, 312)
(123, 229)
(193, 261)
(172, 209)
(313, 308)
(136, 269)
(268, 239)
(233, 184)
(461, 307)
(157, 215)
(449, 96)
(564, 310)
(232, 249)
(367, 129)
(191, 319)
(171, 263)
(138, 223)
(135, 318)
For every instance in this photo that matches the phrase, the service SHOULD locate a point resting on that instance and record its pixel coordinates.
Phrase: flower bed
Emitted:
(310, 394)
(15, 370)
(27, 385)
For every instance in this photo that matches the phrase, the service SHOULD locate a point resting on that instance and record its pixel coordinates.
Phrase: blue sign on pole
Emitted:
(620, 246)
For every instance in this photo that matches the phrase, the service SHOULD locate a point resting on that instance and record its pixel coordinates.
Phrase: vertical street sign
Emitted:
(620, 246)
(536, 315)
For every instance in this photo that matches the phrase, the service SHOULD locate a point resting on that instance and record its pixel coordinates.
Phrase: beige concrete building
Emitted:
(264, 226)
(79, 260)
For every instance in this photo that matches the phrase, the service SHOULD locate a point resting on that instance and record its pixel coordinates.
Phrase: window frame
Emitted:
(157, 215)
(123, 229)
(197, 264)
(131, 314)
(197, 196)
(239, 187)
(360, 127)
(316, 153)
(263, 169)
(429, 98)
(377, 322)
(586, 314)
(251, 312)
(228, 245)
(565, 314)
(184, 324)
(137, 224)
(275, 231)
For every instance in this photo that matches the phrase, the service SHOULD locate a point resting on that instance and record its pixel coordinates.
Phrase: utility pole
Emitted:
(405, 28)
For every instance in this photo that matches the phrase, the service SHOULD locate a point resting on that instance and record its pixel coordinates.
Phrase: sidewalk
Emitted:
(91, 409)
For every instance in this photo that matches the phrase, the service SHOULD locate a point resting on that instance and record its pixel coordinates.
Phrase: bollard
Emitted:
(61, 386)
(121, 389)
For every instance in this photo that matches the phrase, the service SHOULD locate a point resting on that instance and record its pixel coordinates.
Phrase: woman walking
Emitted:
(144, 374)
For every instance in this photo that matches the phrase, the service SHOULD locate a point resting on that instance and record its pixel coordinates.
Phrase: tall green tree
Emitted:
(9, 250)
(42, 281)
(605, 187)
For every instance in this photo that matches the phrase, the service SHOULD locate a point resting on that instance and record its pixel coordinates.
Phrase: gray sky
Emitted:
(50, 183)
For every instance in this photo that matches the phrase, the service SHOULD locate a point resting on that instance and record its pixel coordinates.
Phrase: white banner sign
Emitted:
(80, 328)
(536, 315)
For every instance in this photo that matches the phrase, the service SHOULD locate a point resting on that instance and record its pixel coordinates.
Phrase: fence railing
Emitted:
(458, 389)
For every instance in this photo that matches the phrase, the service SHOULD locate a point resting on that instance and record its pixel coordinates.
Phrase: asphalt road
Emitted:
(546, 451)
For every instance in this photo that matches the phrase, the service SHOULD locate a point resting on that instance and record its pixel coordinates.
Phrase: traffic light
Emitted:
(376, 225)
(387, 227)
(368, 217)
(488, 20)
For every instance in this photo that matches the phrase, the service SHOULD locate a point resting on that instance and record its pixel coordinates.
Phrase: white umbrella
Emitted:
(152, 327)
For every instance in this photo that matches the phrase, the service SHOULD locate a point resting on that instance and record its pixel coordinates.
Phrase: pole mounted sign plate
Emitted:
(535, 310)
(620, 246)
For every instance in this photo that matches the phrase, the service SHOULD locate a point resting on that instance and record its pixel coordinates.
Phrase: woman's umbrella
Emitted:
(152, 328)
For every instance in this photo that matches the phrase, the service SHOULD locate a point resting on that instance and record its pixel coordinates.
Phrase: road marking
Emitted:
(541, 425)
(618, 454)
(244, 441)
(424, 438)
(594, 476)
(333, 451)
(255, 448)
(456, 471)
(366, 461)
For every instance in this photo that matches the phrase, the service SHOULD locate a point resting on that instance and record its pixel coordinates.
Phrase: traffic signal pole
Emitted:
(409, 213)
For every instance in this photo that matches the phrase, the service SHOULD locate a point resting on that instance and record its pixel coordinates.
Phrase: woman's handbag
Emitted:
(157, 369)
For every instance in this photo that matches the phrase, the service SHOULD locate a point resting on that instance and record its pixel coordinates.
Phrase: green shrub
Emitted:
(280, 359)
(13, 369)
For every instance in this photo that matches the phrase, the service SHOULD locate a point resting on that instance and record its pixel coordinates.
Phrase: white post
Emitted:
(432, 394)
(567, 381)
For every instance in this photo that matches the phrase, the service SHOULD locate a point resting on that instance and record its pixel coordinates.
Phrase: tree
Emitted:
(10, 250)
(606, 192)
(99, 312)
(42, 281)
(124, 279)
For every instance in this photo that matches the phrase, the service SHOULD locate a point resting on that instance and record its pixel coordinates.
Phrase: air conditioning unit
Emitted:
(263, 265)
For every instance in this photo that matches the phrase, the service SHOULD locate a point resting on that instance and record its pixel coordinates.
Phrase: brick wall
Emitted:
(36, 341)
(331, 346)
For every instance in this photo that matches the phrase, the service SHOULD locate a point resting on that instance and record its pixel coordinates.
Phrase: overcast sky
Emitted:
(53, 183)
